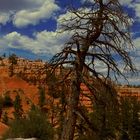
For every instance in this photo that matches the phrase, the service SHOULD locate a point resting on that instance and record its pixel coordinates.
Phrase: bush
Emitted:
(7, 101)
(34, 125)
(18, 111)
(42, 98)
(5, 118)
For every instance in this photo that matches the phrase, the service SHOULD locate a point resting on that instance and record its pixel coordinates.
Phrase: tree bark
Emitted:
(71, 116)
(70, 121)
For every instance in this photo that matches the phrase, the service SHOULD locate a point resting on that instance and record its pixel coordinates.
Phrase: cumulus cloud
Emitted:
(137, 52)
(4, 18)
(123, 2)
(25, 12)
(126, 2)
(136, 7)
(43, 43)
(26, 17)
(133, 4)
(137, 42)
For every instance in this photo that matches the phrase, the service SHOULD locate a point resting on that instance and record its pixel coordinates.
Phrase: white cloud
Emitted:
(137, 52)
(137, 43)
(4, 18)
(136, 7)
(133, 4)
(43, 43)
(123, 2)
(126, 2)
(27, 12)
(26, 17)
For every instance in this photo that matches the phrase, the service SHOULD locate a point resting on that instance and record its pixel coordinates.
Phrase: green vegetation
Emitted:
(120, 121)
(12, 61)
(35, 124)
(130, 116)
(5, 100)
(99, 35)
(42, 97)
(18, 111)
(5, 118)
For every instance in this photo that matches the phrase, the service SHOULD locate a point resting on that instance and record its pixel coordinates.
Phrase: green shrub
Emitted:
(42, 98)
(1, 102)
(18, 111)
(7, 101)
(5, 118)
(34, 125)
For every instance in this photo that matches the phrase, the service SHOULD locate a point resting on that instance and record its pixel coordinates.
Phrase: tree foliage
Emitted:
(130, 118)
(12, 61)
(18, 110)
(35, 124)
(42, 97)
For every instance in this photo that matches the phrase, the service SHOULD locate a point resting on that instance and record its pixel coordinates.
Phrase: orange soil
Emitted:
(3, 128)
(13, 84)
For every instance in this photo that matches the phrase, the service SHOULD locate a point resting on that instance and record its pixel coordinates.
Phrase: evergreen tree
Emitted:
(42, 97)
(35, 124)
(18, 111)
(130, 108)
(1, 106)
(5, 118)
(12, 61)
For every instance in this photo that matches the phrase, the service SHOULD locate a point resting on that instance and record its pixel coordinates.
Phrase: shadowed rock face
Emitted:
(22, 139)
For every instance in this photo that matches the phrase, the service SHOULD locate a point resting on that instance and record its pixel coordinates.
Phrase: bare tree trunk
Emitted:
(70, 121)
(97, 37)
(71, 116)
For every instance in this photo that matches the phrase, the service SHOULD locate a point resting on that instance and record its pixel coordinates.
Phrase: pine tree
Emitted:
(18, 111)
(12, 61)
(5, 118)
(130, 108)
(42, 97)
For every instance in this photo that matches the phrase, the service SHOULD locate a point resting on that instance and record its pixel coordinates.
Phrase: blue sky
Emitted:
(29, 28)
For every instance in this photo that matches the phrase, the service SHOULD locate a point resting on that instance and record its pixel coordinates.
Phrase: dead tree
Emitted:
(99, 34)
